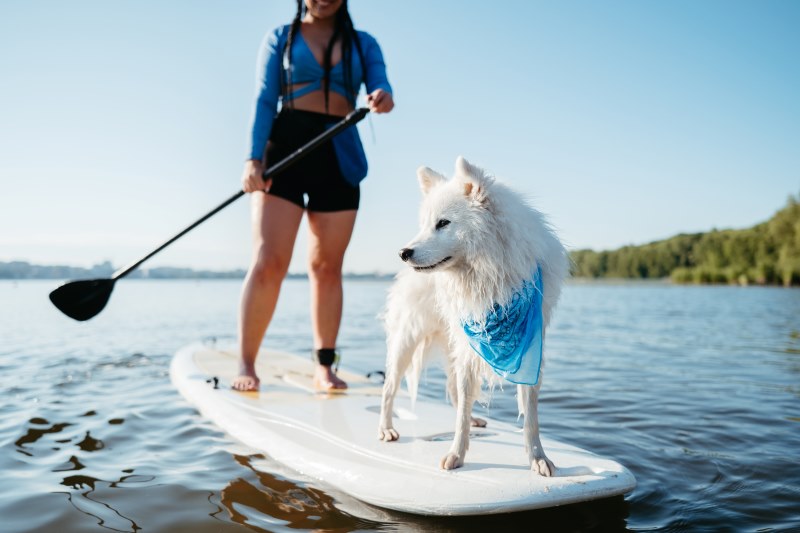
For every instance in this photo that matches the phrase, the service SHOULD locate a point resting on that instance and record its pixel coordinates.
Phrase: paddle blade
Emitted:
(82, 300)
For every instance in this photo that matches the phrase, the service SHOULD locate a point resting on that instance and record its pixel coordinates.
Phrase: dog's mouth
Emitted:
(435, 265)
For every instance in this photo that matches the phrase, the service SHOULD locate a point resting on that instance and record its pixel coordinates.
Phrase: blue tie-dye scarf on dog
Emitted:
(510, 337)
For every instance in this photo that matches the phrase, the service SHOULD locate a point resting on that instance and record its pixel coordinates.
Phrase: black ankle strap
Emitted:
(326, 356)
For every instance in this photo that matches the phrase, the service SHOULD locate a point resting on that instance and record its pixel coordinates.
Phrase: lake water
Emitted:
(695, 389)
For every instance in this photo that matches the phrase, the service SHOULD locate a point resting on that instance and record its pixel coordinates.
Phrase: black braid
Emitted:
(287, 53)
(326, 64)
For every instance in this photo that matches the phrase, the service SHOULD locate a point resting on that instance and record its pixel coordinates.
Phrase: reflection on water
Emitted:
(693, 389)
(44, 442)
(269, 500)
(265, 500)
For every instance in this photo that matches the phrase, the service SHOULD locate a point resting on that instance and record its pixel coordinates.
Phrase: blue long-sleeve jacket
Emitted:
(307, 70)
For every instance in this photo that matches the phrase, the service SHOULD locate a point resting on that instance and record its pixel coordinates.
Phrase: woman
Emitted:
(314, 67)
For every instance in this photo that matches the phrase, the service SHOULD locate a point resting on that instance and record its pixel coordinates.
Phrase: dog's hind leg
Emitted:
(529, 403)
(452, 394)
(401, 351)
(467, 388)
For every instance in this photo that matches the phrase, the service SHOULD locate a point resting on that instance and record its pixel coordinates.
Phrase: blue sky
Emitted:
(626, 122)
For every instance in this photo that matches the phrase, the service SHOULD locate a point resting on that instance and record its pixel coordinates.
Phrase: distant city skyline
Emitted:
(625, 122)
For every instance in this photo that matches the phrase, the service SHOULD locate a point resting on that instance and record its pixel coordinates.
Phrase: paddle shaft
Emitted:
(352, 118)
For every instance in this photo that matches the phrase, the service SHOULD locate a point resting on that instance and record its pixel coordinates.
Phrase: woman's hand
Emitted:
(251, 177)
(379, 101)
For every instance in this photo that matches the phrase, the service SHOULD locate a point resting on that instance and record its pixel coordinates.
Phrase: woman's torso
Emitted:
(313, 41)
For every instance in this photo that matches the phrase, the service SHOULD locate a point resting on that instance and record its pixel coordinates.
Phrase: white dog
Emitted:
(480, 255)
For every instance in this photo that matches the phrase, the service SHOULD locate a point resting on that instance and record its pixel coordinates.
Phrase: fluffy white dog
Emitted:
(484, 262)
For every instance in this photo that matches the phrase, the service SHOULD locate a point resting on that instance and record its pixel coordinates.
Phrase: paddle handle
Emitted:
(352, 118)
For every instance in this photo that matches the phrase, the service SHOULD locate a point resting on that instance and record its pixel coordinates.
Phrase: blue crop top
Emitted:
(307, 70)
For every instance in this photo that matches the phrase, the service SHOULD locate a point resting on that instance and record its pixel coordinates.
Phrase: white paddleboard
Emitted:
(333, 438)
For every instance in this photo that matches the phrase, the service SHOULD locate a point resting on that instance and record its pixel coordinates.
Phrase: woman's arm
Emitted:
(379, 91)
(268, 89)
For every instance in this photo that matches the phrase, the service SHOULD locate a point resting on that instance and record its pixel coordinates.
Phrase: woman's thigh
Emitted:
(329, 236)
(275, 223)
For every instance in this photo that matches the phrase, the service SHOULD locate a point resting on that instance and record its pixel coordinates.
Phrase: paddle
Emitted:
(84, 299)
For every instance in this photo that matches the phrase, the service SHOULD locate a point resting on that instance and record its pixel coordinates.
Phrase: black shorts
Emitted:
(317, 175)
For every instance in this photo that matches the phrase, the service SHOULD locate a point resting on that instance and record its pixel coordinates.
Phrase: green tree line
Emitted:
(766, 254)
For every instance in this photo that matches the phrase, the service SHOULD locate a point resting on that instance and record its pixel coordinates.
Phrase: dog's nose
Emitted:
(406, 253)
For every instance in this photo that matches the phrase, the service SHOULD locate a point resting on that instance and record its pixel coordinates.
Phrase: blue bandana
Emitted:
(510, 337)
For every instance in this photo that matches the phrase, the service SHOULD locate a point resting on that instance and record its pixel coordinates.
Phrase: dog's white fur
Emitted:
(492, 242)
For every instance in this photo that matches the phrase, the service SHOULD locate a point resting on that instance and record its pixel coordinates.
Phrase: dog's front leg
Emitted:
(386, 431)
(465, 397)
(400, 352)
(533, 444)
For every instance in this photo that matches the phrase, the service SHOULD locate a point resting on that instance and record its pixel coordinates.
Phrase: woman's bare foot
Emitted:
(247, 380)
(325, 379)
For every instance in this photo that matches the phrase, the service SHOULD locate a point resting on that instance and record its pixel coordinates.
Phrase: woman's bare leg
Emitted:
(329, 235)
(275, 222)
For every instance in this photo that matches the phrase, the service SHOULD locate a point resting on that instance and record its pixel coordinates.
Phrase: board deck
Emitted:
(333, 438)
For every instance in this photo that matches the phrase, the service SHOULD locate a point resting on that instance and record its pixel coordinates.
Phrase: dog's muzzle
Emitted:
(407, 253)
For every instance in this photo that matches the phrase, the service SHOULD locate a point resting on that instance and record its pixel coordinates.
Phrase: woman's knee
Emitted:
(269, 266)
(325, 272)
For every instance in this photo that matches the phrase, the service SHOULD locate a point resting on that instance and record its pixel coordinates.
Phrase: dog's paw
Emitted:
(543, 466)
(388, 434)
(451, 461)
(477, 422)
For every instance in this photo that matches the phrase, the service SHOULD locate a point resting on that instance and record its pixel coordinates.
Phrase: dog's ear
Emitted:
(474, 179)
(428, 178)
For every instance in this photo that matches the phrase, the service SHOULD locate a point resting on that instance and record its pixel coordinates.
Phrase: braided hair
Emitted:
(344, 29)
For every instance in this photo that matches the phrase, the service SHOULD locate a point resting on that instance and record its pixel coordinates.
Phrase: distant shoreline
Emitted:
(23, 270)
(767, 254)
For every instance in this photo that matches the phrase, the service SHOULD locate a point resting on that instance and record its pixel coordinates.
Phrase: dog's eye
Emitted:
(442, 222)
